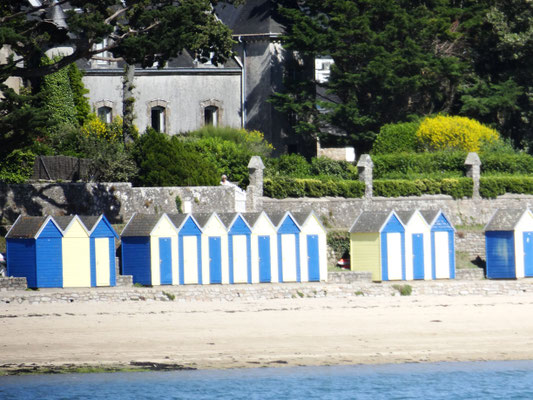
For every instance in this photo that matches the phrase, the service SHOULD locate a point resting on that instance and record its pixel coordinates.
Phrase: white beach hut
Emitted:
(264, 255)
(215, 267)
(417, 245)
(313, 247)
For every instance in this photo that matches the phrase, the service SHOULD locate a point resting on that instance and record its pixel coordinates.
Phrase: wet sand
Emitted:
(324, 331)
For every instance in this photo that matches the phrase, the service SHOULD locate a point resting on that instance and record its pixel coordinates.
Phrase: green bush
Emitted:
(291, 165)
(17, 167)
(282, 187)
(397, 138)
(455, 187)
(323, 166)
(518, 163)
(493, 186)
(165, 161)
(338, 242)
(446, 163)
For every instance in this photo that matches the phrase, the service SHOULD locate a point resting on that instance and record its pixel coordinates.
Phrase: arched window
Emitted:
(211, 115)
(158, 118)
(105, 114)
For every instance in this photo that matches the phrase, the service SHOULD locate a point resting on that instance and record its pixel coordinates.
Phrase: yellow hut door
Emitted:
(102, 260)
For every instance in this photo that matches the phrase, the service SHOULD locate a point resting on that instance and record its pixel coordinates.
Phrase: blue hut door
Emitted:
(165, 261)
(215, 259)
(418, 255)
(264, 259)
(313, 258)
(528, 253)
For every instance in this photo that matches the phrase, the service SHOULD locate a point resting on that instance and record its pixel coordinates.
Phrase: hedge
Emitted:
(455, 187)
(519, 163)
(395, 165)
(491, 187)
(283, 187)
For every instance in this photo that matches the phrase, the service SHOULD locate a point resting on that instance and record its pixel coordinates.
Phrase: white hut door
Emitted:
(240, 259)
(190, 259)
(102, 261)
(442, 255)
(394, 256)
(288, 247)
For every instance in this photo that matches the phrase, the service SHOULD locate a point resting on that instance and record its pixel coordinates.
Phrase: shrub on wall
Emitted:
(392, 166)
(282, 187)
(17, 167)
(493, 186)
(455, 187)
(293, 165)
(323, 166)
(397, 138)
(454, 133)
(518, 163)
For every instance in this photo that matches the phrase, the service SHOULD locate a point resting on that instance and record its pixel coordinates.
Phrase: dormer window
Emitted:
(104, 54)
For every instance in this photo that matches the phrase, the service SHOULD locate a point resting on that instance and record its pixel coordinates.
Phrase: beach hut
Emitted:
(509, 244)
(442, 244)
(288, 231)
(417, 245)
(190, 248)
(150, 250)
(377, 243)
(313, 247)
(102, 245)
(239, 247)
(76, 252)
(34, 251)
(214, 248)
(264, 252)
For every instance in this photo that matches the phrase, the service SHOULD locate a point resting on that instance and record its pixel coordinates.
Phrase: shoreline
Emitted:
(265, 333)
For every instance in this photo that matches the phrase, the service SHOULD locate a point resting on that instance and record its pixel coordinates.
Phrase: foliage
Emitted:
(178, 204)
(283, 187)
(17, 167)
(78, 92)
(339, 243)
(293, 165)
(455, 187)
(165, 161)
(323, 166)
(58, 98)
(454, 133)
(493, 186)
(94, 126)
(397, 138)
(404, 290)
(497, 163)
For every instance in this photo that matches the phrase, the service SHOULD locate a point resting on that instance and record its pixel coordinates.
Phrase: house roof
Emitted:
(504, 219)
(141, 225)
(254, 17)
(370, 221)
(405, 215)
(26, 227)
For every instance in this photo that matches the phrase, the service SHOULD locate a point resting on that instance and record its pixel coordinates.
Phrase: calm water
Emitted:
(479, 380)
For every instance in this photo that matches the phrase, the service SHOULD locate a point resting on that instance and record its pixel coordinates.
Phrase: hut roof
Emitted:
(301, 217)
(63, 221)
(202, 218)
(141, 225)
(89, 221)
(227, 218)
(277, 217)
(370, 221)
(405, 215)
(251, 217)
(178, 219)
(430, 215)
(26, 227)
(504, 219)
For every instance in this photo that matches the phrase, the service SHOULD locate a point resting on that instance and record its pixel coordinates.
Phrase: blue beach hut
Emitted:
(442, 244)
(288, 230)
(189, 247)
(417, 245)
(377, 243)
(102, 246)
(150, 250)
(239, 247)
(509, 244)
(34, 251)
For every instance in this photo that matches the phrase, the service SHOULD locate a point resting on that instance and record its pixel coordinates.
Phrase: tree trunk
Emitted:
(128, 100)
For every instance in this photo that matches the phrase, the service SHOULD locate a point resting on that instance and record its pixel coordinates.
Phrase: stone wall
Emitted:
(472, 243)
(271, 291)
(10, 284)
(118, 201)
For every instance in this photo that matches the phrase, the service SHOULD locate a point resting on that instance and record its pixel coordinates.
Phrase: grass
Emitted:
(170, 296)
(2, 244)
(404, 290)
(470, 228)
(464, 261)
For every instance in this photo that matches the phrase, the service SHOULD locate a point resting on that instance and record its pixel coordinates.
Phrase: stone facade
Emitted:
(471, 243)
(217, 293)
(11, 284)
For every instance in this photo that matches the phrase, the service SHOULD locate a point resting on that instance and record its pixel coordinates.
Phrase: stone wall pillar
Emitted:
(473, 170)
(364, 167)
(254, 191)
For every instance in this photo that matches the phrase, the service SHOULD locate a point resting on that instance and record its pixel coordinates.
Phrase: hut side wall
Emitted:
(500, 254)
(522, 249)
(21, 260)
(136, 259)
(365, 253)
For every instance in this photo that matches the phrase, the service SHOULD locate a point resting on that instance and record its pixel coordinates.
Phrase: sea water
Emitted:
(469, 380)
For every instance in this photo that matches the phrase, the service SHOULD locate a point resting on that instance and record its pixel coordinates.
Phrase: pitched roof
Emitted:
(405, 215)
(254, 17)
(178, 219)
(251, 217)
(370, 221)
(89, 221)
(26, 227)
(202, 218)
(504, 219)
(141, 225)
(430, 215)
(276, 217)
(64, 220)
(301, 217)
(227, 218)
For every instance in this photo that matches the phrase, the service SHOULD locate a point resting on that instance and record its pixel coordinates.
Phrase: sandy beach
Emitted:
(269, 333)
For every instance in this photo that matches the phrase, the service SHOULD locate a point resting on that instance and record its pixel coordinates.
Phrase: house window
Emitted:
(158, 118)
(211, 115)
(105, 114)
(103, 54)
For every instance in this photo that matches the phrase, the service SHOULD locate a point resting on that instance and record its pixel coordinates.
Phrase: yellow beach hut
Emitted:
(264, 251)
(215, 269)
(76, 252)
(313, 247)
(417, 245)
(150, 250)
(377, 242)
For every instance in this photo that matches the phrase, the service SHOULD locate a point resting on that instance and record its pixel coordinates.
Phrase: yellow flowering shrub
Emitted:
(94, 126)
(454, 133)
